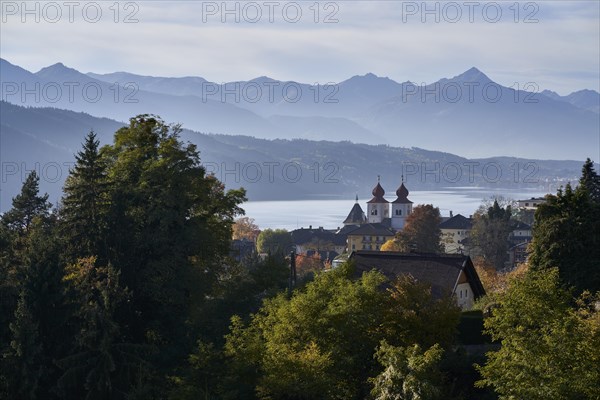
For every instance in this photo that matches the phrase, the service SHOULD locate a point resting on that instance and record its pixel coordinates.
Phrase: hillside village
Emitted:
(362, 237)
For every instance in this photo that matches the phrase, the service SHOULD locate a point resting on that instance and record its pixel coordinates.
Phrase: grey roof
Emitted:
(441, 271)
(372, 230)
(457, 222)
(356, 216)
(306, 235)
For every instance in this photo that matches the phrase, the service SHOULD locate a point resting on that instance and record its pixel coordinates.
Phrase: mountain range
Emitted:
(46, 139)
(468, 114)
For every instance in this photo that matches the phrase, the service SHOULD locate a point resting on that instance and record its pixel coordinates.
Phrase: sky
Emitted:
(552, 44)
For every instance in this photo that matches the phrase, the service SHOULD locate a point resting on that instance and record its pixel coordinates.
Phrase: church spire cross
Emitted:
(378, 178)
(357, 197)
(402, 178)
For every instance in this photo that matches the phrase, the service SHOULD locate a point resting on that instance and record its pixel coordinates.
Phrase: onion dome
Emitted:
(402, 194)
(378, 194)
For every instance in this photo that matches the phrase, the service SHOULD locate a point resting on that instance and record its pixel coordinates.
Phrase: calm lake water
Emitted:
(331, 213)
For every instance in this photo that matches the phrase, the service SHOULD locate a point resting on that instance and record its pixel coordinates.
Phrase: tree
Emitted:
(86, 203)
(549, 347)
(566, 236)
(320, 343)
(33, 295)
(391, 245)
(409, 373)
(274, 241)
(422, 317)
(245, 228)
(101, 366)
(421, 232)
(490, 233)
(27, 205)
(590, 180)
(169, 232)
(306, 265)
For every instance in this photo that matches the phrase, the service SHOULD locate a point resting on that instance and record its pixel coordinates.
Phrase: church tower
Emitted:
(378, 208)
(401, 207)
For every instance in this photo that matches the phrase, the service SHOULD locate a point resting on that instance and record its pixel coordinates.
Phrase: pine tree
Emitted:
(85, 203)
(566, 236)
(101, 366)
(27, 205)
(590, 180)
(34, 286)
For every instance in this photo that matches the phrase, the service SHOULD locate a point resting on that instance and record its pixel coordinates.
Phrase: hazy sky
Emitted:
(554, 44)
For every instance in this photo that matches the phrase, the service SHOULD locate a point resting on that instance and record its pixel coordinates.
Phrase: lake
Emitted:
(331, 213)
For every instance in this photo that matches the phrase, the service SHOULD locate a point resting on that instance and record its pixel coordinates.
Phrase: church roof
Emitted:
(356, 216)
(402, 194)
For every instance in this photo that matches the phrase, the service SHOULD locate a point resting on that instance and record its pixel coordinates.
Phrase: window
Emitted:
(398, 212)
(374, 211)
(353, 247)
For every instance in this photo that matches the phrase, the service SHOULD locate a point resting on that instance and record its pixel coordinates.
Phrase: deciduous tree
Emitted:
(421, 232)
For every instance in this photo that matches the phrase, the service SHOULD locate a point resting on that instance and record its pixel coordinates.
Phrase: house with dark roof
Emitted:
(369, 237)
(454, 232)
(317, 240)
(446, 273)
(532, 203)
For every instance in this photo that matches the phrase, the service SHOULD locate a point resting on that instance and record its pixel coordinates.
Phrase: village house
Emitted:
(532, 203)
(455, 231)
(451, 274)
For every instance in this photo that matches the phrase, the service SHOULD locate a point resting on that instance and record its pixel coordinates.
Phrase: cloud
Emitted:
(560, 51)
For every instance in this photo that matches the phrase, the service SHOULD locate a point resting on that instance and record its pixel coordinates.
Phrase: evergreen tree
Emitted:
(24, 359)
(85, 203)
(566, 236)
(101, 366)
(34, 277)
(26, 205)
(590, 180)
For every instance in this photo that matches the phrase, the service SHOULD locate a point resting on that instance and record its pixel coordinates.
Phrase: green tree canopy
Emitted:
(274, 241)
(566, 235)
(320, 344)
(549, 345)
(490, 234)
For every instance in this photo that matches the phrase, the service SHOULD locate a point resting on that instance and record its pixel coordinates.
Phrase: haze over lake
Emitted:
(330, 213)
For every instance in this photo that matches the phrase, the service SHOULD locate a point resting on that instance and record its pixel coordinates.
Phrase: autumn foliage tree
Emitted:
(245, 228)
(420, 234)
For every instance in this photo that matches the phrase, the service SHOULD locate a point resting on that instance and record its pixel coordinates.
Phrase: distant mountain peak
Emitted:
(57, 68)
(472, 75)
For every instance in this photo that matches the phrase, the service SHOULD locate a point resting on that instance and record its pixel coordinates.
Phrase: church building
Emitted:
(369, 231)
